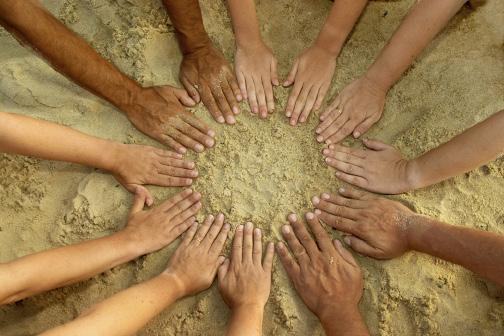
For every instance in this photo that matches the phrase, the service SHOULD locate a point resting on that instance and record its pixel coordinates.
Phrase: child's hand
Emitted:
(324, 273)
(245, 280)
(311, 74)
(195, 262)
(377, 227)
(256, 71)
(354, 110)
(153, 229)
(380, 169)
(134, 166)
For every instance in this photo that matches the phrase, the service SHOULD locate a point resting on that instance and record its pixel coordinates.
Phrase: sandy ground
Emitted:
(259, 170)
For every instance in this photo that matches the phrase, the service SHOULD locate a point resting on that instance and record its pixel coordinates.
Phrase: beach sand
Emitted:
(259, 170)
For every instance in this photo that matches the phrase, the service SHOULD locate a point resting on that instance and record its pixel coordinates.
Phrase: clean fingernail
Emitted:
(220, 119)
(226, 226)
(211, 133)
(347, 241)
(320, 138)
(331, 146)
(317, 212)
(236, 110)
(325, 151)
(230, 120)
(188, 181)
(338, 173)
(194, 173)
(315, 200)
(199, 147)
(211, 217)
(210, 142)
(356, 134)
(257, 231)
(292, 217)
(286, 229)
(220, 216)
(325, 196)
(328, 141)
(240, 227)
(182, 150)
(310, 216)
(318, 130)
(239, 97)
(341, 190)
(248, 226)
(328, 160)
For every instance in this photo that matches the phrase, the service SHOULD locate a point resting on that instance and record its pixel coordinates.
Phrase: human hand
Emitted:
(158, 112)
(376, 227)
(245, 280)
(358, 106)
(134, 165)
(207, 76)
(380, 169)
(256, 71)
(156, 228)
(311, 74)
(324, 274)
(195, 262)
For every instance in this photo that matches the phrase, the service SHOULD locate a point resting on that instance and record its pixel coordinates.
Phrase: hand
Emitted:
(195, 262)
(256, 70)
(377, 227)
(311, 74)
(134, 166)
(354, 110)
(158, 112)
(245, 281)
(380, 169)
(156, 228)
(206, 75)
(324, 274)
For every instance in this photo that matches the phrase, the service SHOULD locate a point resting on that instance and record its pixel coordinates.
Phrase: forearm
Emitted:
(424, 21)
(245, 24)
(32, 137)
(339, 23)
(479, 251)
(342, 323)
(62, 266)
(126, 312)
(186, 17)
(67, 52)
(246, 321)
(468, 150)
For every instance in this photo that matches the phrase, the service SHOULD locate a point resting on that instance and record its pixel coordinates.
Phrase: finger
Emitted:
(186, 214)
(343, 132)
(347, 168)
(247, 242)
(344, 253)
(292, 74)
(346, 154)
(328, 134)
(172, 143)
(288, 262)
(182, 205)
(242, 85)
(231, 98)
(223, 269)
(181, 94)
(361, 246)
(300, 103)
(181, 228)
(257, 249)
(320, 97)
(235, 89)
(209, 101)
(193, 137)
(268, 91)
(200, 125)
(252, 97)
(176, 172)
(338, 200)
(170, 181)
(176, 132)
(302, 235)
(274, 73)
(172, 201)
(356, 194)
(214, 230)
(203, 229)
(339, 223)
(177, 163)
(261, 97)
(353, 180)
(189, 235)
(139, 201)
(220, 95)
(293, 98)
(323, 240)
(335, 209)
(376, 145)
(334, 105)
(268, 257)
(220, 240)
(166, 154)
(237, 251)
(363, 127)
(193, 92)
(310, 101)
(297, 249)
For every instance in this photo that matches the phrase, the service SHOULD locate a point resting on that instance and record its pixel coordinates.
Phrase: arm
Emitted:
(246, 298)
(383, 169)
(325, 275)
(385, 229)
(149, 109)
(190, 270)
(255, 65)
(146, 231)
(132, 165)
(360, 104)
(313, 70)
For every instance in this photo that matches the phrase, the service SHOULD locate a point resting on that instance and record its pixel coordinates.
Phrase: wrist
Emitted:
(173, 282)
(379, 78)
(253, 308)
(330, 40)
(250, 43)
(125, 241)
(414, 177)
(110, 160)
(336, 321)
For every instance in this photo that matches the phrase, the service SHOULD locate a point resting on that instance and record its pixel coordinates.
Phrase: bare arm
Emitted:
(191, 269)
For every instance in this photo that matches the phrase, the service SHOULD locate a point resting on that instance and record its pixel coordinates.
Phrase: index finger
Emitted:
(323, 240)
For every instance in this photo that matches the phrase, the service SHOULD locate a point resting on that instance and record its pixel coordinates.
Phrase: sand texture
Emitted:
(259, 170)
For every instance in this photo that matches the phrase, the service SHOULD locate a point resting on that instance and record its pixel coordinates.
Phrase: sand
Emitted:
(259, 170)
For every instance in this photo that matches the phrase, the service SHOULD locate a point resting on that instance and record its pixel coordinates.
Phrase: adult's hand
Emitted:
(256, 71)
(207, 76)
(311, 75)
(325, 275)
(358, 106)
(159, 113)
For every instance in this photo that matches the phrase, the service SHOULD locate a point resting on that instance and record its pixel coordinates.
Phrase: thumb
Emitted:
(142, 196)
(223, 269)
(375, 144)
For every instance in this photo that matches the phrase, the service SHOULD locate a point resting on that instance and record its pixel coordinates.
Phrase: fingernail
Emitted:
(199, 148)
(190, 165)
(286, 229)
(239, 97)
(211, 217)
(338, 174)
(178, 156)
(322, 118)
(331, 146)
(302, 120)
(248, 226)
(239, 228)
(285, 83)
(230, 120)
(328, 141)
(257, 231)
(328, 160)
(325, 151)
(220, 119)
(356, 134)
(189, 191)
(310, 216)
(341, 190)
(325, 196)
(317, 212)
(182, 150)
(293, 122)
(338, 243)
(318, 130)
(320, 138)
(347, 240)
(211, 133)
(220, 216)
(315, 200)
(188, 181)
(197, 195)
(194, 173)
(288, 114)
(292, 217)
(255, 109)
(226, 226)
(210, 142)
(236, 110)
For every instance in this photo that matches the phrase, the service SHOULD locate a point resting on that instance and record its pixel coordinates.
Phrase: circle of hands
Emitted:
(326, 275)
